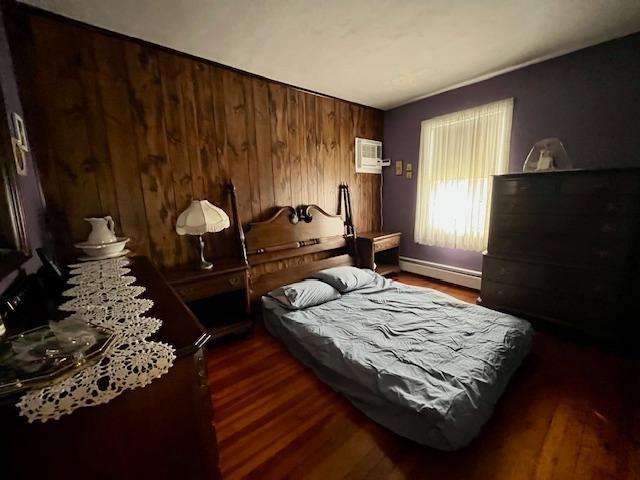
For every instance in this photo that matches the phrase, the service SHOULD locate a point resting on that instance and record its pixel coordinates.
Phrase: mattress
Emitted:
(421, 363)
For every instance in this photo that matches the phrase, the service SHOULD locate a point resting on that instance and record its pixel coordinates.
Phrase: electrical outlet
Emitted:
(409, 174)
(409, 167)
(399, 167)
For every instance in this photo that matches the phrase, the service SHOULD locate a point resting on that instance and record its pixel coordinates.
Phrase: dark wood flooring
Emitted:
(570, 412)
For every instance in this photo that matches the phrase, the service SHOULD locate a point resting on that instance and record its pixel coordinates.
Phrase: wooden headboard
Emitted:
(294, 232)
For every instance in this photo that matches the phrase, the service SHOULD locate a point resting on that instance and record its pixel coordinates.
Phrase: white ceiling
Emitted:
(381, 53)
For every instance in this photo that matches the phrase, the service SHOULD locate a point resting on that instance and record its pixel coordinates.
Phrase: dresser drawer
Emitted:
(562, 248)
(609, 205)
(594, 227)
(526, 301)
(204, 288)
(563, 184)
(386, 243)
(572, 281)
(596, 318)
(511, 297)
(599, 184)
(528, 185)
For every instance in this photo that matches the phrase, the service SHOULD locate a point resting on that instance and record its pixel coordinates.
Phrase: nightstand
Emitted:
(379, 251)
(219, 297)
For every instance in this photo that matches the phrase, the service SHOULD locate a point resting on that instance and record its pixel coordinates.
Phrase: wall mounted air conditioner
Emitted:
(368, 156)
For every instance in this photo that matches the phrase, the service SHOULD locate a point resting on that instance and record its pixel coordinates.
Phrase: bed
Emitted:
(421, 363)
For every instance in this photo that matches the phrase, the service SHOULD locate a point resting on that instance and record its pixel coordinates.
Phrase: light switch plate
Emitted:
(398, 167)
(409, 167)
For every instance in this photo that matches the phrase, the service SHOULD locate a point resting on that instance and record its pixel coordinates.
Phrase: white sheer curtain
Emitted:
(458, 154)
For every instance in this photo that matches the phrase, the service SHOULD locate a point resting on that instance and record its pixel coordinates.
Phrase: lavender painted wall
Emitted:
(29, 185)
(590, 99)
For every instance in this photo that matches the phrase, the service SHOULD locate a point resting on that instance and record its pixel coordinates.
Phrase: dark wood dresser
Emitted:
(563, 247)
(162, 431)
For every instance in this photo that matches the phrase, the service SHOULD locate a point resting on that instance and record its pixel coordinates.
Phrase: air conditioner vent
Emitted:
(368, 156)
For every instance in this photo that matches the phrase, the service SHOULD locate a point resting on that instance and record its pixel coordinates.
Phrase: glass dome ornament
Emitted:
(547, 154)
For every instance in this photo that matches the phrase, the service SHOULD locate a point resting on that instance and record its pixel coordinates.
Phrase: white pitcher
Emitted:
(102, 230)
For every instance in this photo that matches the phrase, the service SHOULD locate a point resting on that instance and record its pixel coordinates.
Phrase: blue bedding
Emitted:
(423, 364)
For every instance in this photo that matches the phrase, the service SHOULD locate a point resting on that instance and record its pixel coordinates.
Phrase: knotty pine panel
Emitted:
(136, 131)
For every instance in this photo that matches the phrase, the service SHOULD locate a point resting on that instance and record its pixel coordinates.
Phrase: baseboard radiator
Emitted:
(446, 273)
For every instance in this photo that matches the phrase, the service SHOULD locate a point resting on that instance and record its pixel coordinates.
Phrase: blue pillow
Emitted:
(346, 279)
(304, 294)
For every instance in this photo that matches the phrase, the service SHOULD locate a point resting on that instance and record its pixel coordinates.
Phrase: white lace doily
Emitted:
(103, 294)
(97, 276)
(100, 266)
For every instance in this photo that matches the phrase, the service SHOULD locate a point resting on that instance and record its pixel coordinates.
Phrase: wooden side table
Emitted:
(379, 251)
(219, 297)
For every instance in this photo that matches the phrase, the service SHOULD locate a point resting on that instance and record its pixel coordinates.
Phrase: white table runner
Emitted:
(104, 294)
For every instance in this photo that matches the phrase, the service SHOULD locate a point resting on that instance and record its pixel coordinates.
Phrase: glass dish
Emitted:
(40, 356)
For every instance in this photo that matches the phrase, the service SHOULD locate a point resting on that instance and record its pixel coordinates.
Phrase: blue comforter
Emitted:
(423, 364)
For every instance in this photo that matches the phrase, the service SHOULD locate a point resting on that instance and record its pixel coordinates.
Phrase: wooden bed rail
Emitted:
(299, 244)
(281, 252)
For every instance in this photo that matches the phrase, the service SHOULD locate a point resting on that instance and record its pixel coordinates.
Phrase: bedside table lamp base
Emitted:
(204, 264)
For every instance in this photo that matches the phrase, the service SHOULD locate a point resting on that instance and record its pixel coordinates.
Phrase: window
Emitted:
(458, 154)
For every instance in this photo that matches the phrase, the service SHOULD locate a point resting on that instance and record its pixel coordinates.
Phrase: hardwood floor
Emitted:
(570, 412)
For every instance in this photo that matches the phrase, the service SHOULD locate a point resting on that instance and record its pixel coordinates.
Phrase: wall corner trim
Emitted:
(447, 273)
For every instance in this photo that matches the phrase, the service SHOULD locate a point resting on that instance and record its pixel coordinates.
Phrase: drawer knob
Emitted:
(234, 281)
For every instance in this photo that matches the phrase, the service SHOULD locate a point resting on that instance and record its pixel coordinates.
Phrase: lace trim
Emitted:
(103, 294)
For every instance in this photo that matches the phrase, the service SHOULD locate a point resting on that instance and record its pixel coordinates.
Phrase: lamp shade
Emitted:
(201, 217)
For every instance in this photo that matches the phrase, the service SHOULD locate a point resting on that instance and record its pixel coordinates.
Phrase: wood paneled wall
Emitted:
(124, 128)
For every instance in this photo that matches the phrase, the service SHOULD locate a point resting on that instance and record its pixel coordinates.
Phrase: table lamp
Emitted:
(199, 218)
